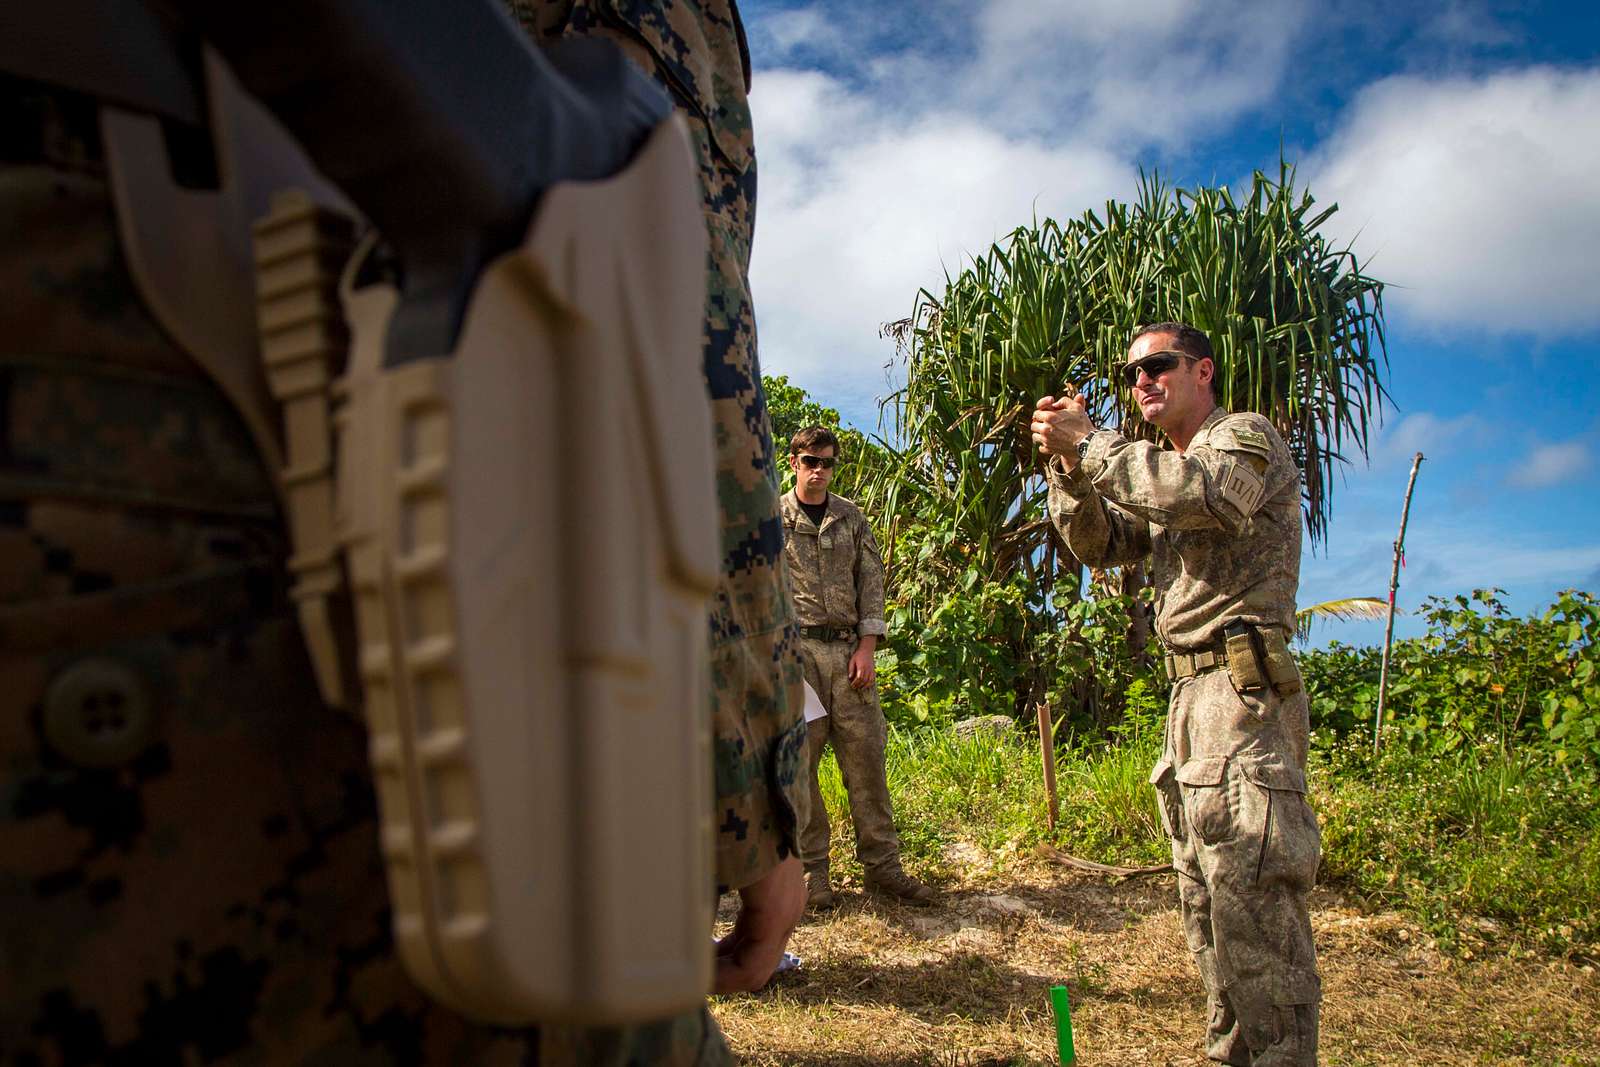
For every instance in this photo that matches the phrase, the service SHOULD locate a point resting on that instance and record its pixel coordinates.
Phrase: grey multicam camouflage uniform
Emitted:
(837, 573)
(189, 869)
(1221, 524)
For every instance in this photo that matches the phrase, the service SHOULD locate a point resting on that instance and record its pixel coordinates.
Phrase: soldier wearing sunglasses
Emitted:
(1218, 513)
(837, 575)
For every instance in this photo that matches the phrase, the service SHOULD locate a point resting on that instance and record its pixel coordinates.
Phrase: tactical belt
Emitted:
(1187, 664)
(1256, 657)
(828, 633)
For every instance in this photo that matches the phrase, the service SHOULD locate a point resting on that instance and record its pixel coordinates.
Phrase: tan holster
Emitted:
(530, 528)
(525, 531)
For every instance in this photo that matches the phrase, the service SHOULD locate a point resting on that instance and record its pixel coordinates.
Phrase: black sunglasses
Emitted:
(813, 462)
(1154, 365)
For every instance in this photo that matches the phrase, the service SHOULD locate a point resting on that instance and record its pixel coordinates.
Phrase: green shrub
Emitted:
(1571, 704)
(1479, 676)
(1470, 834)
(960, 661)
(991, 648)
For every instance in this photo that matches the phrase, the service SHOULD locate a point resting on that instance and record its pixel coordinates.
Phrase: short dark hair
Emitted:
(813, 437)
(1190, 342)
(1186, 337)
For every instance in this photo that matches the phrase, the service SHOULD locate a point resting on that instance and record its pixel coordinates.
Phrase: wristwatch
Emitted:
(1083, 445)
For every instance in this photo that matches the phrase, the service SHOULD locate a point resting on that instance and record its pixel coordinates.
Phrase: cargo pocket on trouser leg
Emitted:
(1209, 797)
(1291, 844)
(1169, 804)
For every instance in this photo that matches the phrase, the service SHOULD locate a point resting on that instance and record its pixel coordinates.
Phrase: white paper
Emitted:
(814, 708)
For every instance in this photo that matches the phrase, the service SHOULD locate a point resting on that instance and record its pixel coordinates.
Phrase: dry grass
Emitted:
(967, 983)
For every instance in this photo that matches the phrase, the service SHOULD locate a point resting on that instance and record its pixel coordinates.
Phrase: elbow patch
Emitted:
(1242, 487)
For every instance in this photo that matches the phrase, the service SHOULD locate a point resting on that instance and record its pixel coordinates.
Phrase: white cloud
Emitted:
(929, 130)
(902, 162)
(801, 28)
(858, 211)
(1467, 24)
(1553, 464)
(1131, 72)
(1435, 436)
(1478, 196)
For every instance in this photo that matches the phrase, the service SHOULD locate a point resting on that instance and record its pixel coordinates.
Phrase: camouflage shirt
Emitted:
(836, 569)
(1220, 522)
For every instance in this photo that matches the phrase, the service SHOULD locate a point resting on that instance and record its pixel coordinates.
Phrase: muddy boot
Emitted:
(819, 895)
(896, 883)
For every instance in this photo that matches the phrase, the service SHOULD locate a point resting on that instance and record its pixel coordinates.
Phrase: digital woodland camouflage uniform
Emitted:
(697, 50)
(838, 579)
(189, 864)
(1221, 523)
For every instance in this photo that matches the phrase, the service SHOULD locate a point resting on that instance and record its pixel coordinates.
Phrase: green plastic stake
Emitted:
(1058, 1001)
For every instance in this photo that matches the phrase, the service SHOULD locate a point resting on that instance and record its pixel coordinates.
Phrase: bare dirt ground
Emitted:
(965, 983)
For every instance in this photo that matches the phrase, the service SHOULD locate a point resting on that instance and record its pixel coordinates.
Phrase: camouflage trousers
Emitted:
(855, 727)
(1245, 845)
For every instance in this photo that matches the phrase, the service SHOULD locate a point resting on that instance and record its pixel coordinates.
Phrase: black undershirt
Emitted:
(815, 512)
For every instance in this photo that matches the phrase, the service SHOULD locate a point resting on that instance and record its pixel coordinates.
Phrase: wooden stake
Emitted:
(1047, 756)
(1394, 583)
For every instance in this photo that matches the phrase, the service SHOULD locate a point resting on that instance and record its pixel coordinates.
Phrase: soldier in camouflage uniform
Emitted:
(838, 594)
(1219, 515)
(190, 865)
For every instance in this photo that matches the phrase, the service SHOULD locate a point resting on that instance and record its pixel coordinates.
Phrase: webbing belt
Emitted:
(1187, 664)
(828, 633)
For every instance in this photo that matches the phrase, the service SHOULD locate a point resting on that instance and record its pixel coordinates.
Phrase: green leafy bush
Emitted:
(1571, 705)
(1479, 676)
(1456, 838)
(993, 648)
(960, 661)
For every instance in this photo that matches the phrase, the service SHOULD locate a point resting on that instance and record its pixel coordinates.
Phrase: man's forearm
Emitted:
(1098, 533)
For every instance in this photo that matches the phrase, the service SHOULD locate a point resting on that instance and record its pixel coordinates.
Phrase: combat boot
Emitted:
(895, 882)
(819, 894)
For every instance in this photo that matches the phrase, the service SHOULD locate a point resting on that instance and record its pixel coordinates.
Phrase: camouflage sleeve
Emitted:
(1100, 534)
(1214, 485)
(869, 583)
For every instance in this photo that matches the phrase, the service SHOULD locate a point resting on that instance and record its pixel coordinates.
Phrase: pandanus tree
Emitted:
(1297, 325)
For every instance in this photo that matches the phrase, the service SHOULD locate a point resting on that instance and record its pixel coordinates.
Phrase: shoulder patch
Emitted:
(1246, 440)
(1243, 488)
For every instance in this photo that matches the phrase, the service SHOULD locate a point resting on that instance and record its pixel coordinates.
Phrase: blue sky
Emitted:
(1461, 141)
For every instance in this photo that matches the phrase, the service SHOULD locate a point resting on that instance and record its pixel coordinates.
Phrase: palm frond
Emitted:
(1348, 609)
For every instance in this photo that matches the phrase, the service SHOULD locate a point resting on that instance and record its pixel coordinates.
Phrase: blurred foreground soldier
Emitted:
(190, 861)
(838, 594)
(1219, 515)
